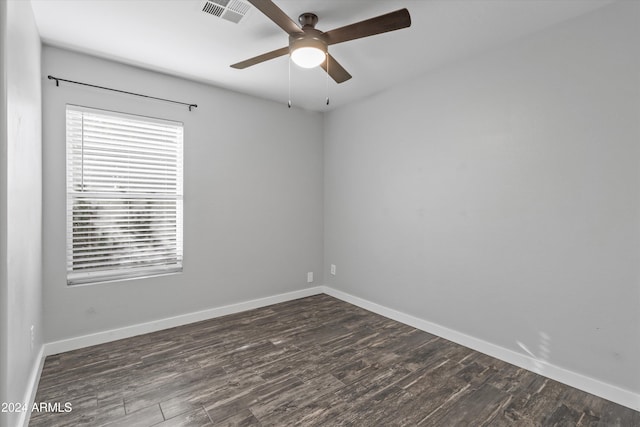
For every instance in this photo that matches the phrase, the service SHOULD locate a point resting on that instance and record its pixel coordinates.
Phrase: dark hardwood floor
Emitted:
(313, 361)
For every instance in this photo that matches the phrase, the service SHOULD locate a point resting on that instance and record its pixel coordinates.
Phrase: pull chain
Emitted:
(327, 79)
(289, 103)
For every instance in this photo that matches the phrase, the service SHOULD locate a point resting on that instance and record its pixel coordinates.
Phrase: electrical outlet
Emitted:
(310, 277)
(333, 269)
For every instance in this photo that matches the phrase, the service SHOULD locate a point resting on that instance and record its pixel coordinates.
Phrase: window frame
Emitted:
(144, 206)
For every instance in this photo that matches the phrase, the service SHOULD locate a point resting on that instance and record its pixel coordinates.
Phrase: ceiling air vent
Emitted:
(231, 10)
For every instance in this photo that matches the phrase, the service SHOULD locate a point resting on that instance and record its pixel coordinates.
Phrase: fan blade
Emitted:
(370, 27)
(261, 58)
(276, 14)
(336, 71)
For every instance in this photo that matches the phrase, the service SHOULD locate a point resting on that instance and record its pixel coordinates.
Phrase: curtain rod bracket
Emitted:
(58, 79)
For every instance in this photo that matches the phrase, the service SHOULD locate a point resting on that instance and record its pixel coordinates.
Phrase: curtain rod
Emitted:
(58, 80)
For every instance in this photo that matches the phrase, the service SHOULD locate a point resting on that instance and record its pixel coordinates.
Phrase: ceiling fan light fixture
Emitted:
(308, 57)
(308, 52)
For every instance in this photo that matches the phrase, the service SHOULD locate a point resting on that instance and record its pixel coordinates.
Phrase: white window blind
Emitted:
(124, 196)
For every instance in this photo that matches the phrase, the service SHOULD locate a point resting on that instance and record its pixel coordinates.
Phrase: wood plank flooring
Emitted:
(315, 361)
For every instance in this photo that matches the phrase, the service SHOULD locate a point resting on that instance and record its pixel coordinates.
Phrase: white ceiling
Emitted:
(176, 37)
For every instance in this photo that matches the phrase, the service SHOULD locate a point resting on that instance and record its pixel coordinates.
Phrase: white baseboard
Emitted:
(590, 385)
(170, 322)
(32, 388)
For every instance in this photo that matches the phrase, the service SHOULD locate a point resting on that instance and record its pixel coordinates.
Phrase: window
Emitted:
(124, 196)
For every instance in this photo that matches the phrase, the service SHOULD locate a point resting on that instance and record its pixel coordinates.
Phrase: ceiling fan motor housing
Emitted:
(309, 37)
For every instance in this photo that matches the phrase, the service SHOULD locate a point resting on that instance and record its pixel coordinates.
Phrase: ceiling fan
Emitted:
(308, 46)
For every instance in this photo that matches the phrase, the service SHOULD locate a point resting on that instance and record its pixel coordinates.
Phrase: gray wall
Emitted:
(20, 202)
(499, 196)
(253, 198)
